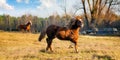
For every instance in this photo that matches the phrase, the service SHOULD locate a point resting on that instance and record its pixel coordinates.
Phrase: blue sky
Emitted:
(41, 8)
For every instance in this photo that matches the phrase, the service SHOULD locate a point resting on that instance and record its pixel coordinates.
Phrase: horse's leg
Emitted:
(76, 47)
(49, 43)
(23, 30)
(28, 31)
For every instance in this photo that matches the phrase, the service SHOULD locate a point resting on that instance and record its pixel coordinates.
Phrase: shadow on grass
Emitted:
(89, 51)
(44, 51)
(113, 35)
(103, 57)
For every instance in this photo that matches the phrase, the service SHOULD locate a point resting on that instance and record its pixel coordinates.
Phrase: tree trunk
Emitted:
(86, 18)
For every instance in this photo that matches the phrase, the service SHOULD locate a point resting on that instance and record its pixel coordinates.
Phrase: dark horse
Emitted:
(25, 27)
(63, 33)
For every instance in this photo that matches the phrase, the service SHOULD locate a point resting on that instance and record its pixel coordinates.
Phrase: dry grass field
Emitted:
(25, 46)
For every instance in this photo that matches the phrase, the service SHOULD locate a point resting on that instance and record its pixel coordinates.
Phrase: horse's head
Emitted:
(29, 23)
(79, 21)
(76, 22)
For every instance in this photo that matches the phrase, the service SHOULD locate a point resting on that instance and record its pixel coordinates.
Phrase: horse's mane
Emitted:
(28, 23)
(72, 21)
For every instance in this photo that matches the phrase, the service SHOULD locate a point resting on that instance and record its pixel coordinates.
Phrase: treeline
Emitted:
(96, 14)
(10, 23)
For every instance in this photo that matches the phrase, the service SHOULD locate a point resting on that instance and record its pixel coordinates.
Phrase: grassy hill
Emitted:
(25, 46)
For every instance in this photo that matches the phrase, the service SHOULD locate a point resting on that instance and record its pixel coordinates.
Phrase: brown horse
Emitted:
(63, 33)
(25, 27)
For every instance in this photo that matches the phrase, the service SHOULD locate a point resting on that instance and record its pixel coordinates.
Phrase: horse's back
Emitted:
(52, 27)
(22, 27)
(51, 30)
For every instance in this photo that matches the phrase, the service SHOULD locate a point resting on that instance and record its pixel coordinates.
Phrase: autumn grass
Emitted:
(25, 46)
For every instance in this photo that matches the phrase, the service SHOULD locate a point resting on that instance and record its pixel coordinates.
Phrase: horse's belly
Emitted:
(62, 35)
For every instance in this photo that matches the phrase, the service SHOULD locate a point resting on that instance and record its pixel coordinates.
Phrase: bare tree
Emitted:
(97, 9)
(77, 7)
(66, 15)
(85, 12)
(64, 8)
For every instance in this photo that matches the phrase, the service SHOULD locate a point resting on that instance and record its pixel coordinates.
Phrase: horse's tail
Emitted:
(42, 35)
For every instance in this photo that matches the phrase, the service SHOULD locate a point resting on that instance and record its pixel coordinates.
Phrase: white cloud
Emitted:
(44, 9)
(52, 6)
(47, 7)
(47, 4)
(6, 6)
(26, 1)
(18, 1)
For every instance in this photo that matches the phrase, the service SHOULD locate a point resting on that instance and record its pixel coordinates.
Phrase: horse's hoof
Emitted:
(77, 51)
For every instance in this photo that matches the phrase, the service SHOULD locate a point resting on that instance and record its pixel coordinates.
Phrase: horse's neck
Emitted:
(76, 30)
